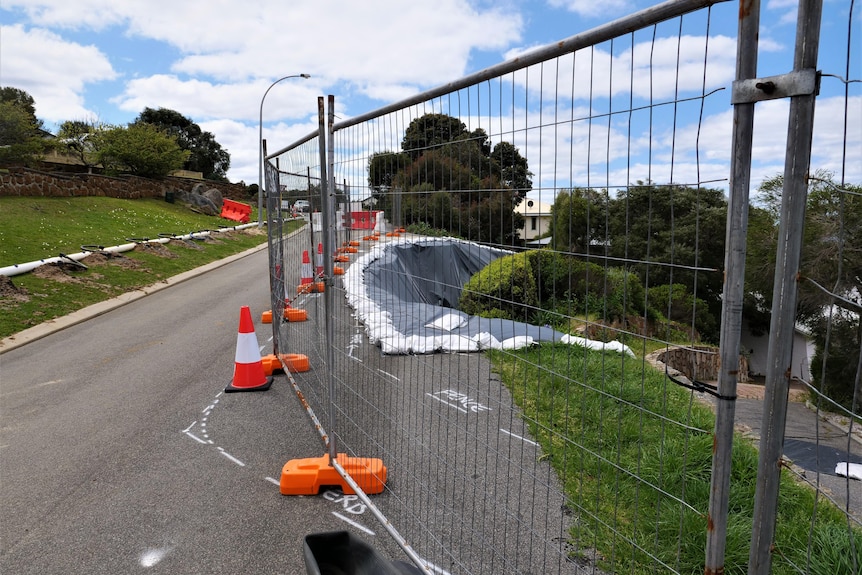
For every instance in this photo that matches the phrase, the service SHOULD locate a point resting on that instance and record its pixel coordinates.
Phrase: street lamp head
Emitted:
(306, 76)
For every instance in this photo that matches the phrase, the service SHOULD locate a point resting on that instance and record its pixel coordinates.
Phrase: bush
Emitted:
(676, 304)
(546, 280)
(506, 288)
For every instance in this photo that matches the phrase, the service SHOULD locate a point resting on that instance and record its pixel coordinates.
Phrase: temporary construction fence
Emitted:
(522, 336)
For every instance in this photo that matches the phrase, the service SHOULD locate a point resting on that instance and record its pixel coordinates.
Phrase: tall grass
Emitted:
(634, 454)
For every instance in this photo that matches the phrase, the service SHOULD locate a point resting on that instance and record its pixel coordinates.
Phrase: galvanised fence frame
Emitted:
(562, 433)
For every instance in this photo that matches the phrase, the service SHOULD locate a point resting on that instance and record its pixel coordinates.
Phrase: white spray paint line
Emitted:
(355, 342)
(458, 407)
(273, 480)
(524, 439)
(188, 432)
(231, 457)
(388, 374)
(354, 523)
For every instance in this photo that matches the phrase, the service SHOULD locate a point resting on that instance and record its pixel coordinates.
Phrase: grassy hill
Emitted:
(34, 228)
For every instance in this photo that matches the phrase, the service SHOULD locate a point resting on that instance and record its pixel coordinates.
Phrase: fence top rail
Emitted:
(296, 144)
(635, 21)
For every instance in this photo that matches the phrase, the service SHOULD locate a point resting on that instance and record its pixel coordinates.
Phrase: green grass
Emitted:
(34, 228)
(628, 445)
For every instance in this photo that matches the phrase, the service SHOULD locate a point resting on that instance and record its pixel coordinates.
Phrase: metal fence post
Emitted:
(785, 291)
(734, 289)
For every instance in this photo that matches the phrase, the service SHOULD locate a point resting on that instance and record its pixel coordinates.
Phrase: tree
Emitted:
(22, 141)
(205, 154)
(829, 298)
(514, 172)
(438, 154)
(141, 149)
(81, 139)
(579, 220)
(655, 225)
(23, 101)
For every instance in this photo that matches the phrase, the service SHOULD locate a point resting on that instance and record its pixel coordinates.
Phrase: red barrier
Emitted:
(363, 220)
(236, 211)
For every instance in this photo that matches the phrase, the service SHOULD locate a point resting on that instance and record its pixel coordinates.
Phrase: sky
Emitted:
(213, 60)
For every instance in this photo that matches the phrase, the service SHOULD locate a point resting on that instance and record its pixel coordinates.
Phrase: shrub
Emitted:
(504, 288)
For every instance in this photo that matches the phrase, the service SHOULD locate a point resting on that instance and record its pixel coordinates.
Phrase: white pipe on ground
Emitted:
(18, 269)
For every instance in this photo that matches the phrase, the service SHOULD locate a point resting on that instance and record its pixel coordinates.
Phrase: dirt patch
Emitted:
(58, 272)
(190, 244)
(105, 258)
(9, 292)
(155, 249)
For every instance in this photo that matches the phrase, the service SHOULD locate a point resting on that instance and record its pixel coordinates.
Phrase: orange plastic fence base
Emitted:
(307, 476)
(271, 364)
(295, 314)
(313, 287)
(341, 259)
(266, 317)
(295, 362)
(337, 271)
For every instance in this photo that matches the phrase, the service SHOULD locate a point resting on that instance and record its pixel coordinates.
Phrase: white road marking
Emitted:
(524, 439)
(231, 457)
(354, 523)
(388, 375)
(458, 407)
(273, 480)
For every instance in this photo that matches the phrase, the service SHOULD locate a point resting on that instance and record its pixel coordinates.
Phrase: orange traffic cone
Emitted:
(318, 260)
(306, 284)
(248, 373)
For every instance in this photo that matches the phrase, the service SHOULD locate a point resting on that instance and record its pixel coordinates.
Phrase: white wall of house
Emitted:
(537, 218)
(756, 347)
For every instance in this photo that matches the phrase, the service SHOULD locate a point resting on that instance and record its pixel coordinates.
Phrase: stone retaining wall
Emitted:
(29, 182)
(697, 362)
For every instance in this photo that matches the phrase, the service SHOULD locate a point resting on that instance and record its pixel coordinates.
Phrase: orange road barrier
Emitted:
(236, 211)
(248, 373)
(295, 362)
(307, 476)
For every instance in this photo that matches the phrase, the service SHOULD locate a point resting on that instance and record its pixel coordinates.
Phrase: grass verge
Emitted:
(634, 454)
(33, 228)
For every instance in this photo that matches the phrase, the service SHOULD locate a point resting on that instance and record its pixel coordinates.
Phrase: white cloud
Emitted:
(592, 8)
(53, 71)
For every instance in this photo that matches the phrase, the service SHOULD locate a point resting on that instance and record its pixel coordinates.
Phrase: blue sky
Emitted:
(212, 60)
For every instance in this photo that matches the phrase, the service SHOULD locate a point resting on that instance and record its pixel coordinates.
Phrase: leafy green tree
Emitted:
(22, 141)
(656, 225)
(579, 220)
(140, 149)
(514, 172)
(81, 139)
(429, 132)
(830, 269)
(205, 154)
(438, 154)
(22, 100)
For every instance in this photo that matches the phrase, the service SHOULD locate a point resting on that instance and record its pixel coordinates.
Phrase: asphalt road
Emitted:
(120, 453)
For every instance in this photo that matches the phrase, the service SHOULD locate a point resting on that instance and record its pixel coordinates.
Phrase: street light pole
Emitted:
(260, 148)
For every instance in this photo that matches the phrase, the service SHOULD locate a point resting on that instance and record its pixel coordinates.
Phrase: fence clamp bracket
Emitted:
(797, 83)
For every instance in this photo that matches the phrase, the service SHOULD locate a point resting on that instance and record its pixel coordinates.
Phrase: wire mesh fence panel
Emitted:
(523, 294)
